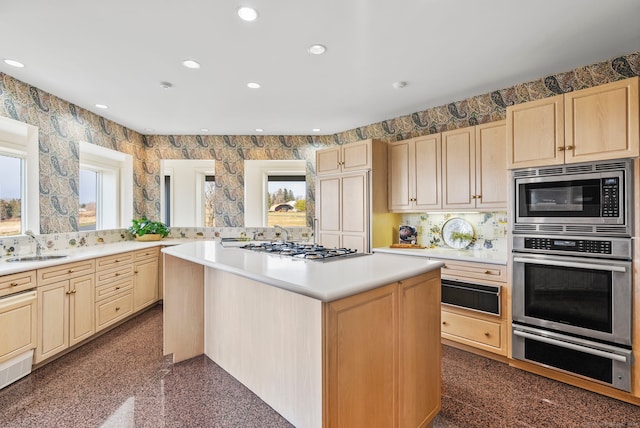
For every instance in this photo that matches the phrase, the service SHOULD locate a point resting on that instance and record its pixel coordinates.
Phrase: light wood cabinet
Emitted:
(397, 384)
(473, 329)
(356, 156)
(351, 205)
(474, 170)
(592, 124)
(145, 286)
(414, 174)
(18, 322)
(17, 282)
(65, 307)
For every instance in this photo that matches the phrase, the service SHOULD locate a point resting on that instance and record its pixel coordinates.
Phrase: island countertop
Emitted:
(325, 281)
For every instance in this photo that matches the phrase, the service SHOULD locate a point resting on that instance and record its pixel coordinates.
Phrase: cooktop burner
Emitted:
(303, 250)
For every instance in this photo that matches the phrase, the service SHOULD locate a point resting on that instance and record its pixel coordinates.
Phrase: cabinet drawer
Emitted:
(115, 274)
(17, 282)
(483, 271)
(146, 253)
(66, 271)
(113, 287)
(112, 310)
(470, 328)
(114, 261)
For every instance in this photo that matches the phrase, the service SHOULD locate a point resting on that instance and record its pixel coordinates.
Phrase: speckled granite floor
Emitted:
(121, 380)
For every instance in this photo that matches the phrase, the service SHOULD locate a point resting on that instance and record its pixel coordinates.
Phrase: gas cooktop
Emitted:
(303, 251)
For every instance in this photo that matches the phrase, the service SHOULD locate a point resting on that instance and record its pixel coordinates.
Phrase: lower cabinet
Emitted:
(382, 356)
(65, 307)
(475, 328)
(145, 282)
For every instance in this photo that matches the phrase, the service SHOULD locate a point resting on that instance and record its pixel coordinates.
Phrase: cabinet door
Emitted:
(18, 319)
(419, 359)
(355, 206)
(328, 204)
(53, 320)
(602, 122)
(328, 161)
(426, 177)
(357, 156)
(458, 168)
(400, 175)
(145, 289)
(81, 308)
(491, 165)
(361, 355)
(535, 133)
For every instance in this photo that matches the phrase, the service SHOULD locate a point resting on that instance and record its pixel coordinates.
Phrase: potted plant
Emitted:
(147, 230)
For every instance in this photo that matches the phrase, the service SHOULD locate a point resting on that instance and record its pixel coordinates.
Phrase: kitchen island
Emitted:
(342, 343)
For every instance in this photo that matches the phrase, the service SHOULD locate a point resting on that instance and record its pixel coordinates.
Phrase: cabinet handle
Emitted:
(561, 149)
(488, 272)
(135, 271)
(117, 308)
(67, 293)
(117, 288)
(70, 271)
(487, 334)
(117, 273)
(14, 284)
(444, 323)
(569, 148)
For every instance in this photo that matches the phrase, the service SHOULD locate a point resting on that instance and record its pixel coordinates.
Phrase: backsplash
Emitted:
(490, 229)
(24, 245)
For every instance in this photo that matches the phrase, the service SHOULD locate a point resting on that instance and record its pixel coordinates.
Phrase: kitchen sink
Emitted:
(36, 258)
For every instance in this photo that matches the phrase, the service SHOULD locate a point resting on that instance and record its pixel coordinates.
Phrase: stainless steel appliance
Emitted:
(477, 297)
(584, 199)
(572, 305)
(303, 251)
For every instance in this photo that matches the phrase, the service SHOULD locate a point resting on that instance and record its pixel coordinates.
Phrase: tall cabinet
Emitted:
(351, 197)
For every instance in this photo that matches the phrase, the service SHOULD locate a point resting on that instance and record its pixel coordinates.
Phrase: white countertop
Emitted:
(325, 281)
(82, 253)
(480, 256)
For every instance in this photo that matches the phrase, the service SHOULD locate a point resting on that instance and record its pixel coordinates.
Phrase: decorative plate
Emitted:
(457, 233)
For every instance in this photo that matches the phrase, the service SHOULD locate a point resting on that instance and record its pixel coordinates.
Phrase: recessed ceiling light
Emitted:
(253, 85)
(317, 49)
(204, 129)
(259, 130)
(189, 63)
(166, 85)
(247, 14)
(13, 63)
(102, 106)
(316, 129)
(149, 129)
(399, 85)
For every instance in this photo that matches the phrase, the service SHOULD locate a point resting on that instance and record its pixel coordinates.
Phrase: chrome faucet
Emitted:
(39, 246)
(286, 232)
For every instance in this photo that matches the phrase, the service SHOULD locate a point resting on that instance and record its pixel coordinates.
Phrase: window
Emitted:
(105, 189)
(287, 202)
(275, 193)
(188, 191)
(19, 181)
(11, 195)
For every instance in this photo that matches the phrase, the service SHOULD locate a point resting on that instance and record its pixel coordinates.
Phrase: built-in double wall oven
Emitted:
(572, 292)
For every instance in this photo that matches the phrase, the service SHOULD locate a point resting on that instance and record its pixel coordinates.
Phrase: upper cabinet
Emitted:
(349, 157)
(597, 123)
(414, 174)
(474, 167)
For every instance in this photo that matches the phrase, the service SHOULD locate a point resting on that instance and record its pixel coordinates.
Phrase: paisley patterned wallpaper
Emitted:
(62, 125)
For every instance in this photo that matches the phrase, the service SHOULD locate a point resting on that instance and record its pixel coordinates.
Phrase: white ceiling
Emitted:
(116, 52)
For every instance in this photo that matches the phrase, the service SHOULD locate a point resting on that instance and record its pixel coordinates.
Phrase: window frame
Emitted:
(19, 139)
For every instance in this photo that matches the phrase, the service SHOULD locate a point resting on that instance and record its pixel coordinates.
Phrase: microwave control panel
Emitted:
(610, 197)
(573, 245)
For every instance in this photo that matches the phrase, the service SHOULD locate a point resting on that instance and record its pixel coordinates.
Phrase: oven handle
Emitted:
(570, 264)
(572, 346)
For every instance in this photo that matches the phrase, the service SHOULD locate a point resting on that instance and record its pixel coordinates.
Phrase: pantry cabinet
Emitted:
(414, 174)
(351, 201)
(66, 295)
(592, 124)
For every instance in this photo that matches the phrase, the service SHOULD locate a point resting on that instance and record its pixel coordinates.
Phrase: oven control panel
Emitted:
(573, 245)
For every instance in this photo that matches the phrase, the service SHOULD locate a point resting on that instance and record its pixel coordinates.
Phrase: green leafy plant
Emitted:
(144, 226)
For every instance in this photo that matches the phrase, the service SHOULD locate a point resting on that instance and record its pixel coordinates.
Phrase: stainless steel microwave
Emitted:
(587, 199)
